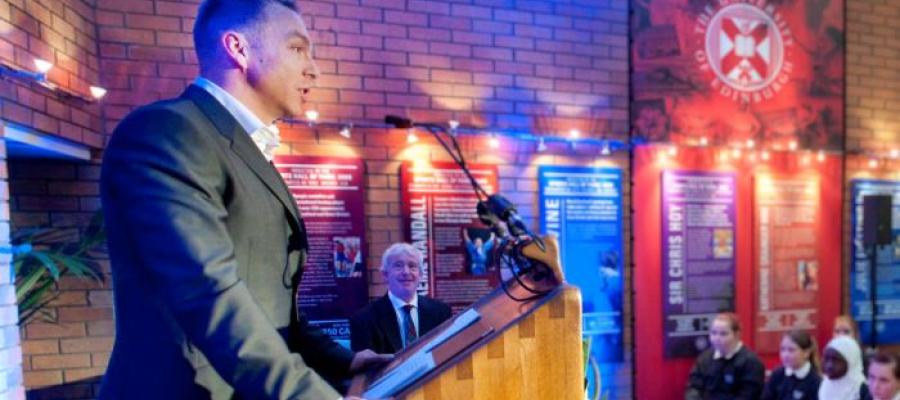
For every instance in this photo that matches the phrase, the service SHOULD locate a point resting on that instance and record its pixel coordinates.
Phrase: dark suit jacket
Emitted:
(206, 245)
(375, 326)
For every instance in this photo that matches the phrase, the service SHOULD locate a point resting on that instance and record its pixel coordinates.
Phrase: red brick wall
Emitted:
(483, 63)
(873, 101)
(873, 76)
(62, 32)
(10, 345)
(540, 65)
(74, 349)
(488, 64)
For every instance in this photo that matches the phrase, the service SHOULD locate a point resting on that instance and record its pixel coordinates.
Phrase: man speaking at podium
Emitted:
(206, 243)
(394, 321)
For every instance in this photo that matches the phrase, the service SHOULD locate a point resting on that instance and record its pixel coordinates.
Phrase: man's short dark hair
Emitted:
(885, 358)
(217, 16)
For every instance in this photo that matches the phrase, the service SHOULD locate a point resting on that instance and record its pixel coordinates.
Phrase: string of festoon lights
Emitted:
(748, 150)
(39, 75)
(886, 158)
(573, 137)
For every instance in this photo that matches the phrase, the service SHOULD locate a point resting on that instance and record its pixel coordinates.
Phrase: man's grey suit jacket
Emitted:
(206, 247)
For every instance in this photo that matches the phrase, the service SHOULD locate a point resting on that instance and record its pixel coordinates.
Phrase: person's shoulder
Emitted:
(434, 303)
(162, 111)
(368, 311)
(706, 354)
(705, 358)
(746, 358)
(777, 374)
(864, 393)
(159, 118)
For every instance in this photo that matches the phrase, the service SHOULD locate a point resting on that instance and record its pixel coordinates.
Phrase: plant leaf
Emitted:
(48, 263)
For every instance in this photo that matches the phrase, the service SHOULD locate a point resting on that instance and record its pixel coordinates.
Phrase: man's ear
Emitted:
(238, 49)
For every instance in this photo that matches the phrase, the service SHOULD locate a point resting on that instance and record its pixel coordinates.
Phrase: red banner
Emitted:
(650, 163)
(787, 259)
(331, 198)
(440, 220)
(731, 71)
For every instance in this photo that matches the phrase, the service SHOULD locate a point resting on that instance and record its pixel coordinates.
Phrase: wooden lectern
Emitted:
(515, 349)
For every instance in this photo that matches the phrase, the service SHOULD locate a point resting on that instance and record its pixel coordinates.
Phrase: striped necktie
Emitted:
(409, 328)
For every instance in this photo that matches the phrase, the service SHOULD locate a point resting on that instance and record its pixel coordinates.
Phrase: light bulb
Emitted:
(42, 66)
(345, 131)
(97, 92)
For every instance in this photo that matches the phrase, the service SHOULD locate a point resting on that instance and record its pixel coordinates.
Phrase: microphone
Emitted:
(398, 122)
(498, 208)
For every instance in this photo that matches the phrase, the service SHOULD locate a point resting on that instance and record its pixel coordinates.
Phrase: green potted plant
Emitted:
(41, 256)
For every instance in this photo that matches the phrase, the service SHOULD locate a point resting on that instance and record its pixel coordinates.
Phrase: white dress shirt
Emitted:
(266, 137)
(800, 373)
(398, 310)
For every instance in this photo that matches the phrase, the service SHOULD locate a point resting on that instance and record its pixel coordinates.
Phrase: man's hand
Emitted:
(368, 358)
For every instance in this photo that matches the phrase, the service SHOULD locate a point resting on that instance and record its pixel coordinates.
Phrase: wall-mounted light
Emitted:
(764, 155)
(750, 143)
(895, 153)
(672, 151)
(453, 124)
(873, 163)
(541, 147)
(39, 76)
(494, 142)
(821, 156)
(574, 133)
(792, 145)
(345, 131)
(311, 117)
(704, 141)
(605, 150)
(411, 137)
(97, 92)
(42, 66)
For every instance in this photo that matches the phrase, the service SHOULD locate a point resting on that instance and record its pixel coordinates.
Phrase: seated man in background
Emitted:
(392, 322)
(884, 376)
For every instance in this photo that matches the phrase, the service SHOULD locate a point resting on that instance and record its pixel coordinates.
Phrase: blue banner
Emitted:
(887, 268)
(582, 206)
